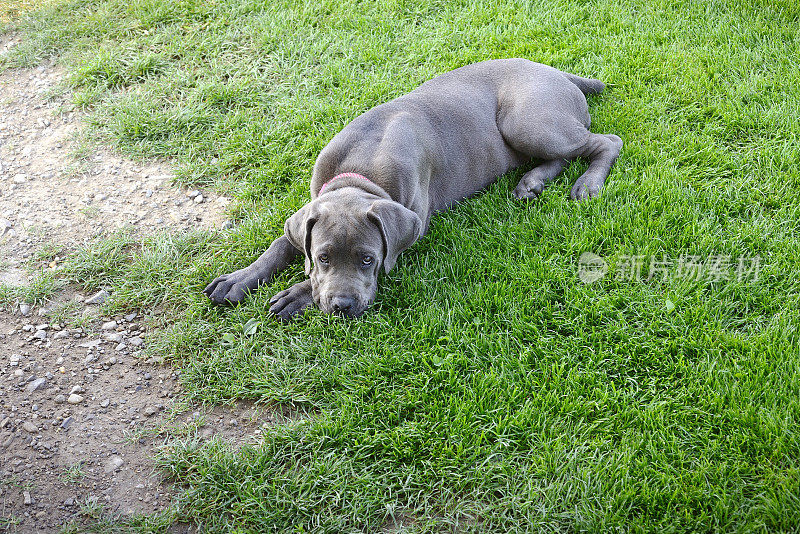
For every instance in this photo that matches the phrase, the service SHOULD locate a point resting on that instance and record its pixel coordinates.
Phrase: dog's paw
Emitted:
(530, 186)
(292, 302)
(528, 189)
(228, 289)
(584, 190)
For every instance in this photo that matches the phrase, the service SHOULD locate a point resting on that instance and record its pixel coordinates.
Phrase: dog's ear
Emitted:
(298, 230)
(400, 228)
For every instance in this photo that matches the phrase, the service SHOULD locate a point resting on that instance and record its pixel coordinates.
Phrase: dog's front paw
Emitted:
(229, 288)
(290, 303)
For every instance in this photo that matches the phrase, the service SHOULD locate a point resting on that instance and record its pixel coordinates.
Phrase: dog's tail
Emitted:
(588, 86)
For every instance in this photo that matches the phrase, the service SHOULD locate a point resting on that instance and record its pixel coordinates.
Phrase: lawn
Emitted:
(489, 389)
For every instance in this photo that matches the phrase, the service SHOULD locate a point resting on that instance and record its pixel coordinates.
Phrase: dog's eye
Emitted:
(367, 260)
(323, 258)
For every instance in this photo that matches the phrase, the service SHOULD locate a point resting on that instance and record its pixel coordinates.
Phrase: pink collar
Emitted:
(344, 175)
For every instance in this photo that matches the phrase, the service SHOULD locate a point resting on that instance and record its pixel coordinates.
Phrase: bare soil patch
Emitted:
(49, 198)
(82, 411)
(82, 416)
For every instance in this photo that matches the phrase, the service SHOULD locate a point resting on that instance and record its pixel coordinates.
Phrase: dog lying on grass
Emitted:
(379, 180)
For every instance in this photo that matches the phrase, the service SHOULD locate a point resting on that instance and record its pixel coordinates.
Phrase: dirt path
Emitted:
(50, 199)
(74, 401)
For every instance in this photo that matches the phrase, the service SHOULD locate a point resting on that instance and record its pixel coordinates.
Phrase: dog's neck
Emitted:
(343, 175)
(353, 179)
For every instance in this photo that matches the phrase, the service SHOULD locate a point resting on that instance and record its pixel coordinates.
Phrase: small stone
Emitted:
(198, 199)
(74, 399)
(114, 463)
(26, 498)
(20, 178)
(110, 325)
(36, 385)
(29, 427)
(148, 376)
(60, 399)
(120, 347)
(131, 316)
(233, 422)
(192, 193)
(67, 422)
(40, 334)
(104, 403)
(76, 389)
(5, 226)
(113, 338)
(61, 335)
(150, 411)
(136, 341)
(98, 298)
(25, 309)
(227, 225)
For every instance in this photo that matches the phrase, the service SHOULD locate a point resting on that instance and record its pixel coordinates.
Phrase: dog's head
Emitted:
(347, 237)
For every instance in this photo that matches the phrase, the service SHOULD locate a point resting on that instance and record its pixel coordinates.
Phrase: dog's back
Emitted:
(445, 137)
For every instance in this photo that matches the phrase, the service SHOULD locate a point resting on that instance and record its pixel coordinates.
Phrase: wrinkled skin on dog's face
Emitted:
(347, 237)
(346, 257)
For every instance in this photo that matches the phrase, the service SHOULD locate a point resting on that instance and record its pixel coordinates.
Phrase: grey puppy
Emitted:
(379, 180)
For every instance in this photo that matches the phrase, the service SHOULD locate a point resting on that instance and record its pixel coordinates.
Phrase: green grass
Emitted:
(488, 389)
(73, 473)
(43, 285)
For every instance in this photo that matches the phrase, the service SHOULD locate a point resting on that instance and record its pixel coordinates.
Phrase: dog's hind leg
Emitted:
(532, 183)
(232, 288)
(536, 136)
(602, 151)
(546, 117)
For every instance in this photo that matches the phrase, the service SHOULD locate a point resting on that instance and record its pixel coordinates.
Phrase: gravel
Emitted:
(36, 385)
(98, 298)
(114, 463)
(29, 427)
(47, 426)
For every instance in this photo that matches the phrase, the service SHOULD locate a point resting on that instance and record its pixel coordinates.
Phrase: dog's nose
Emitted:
(342, 304)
